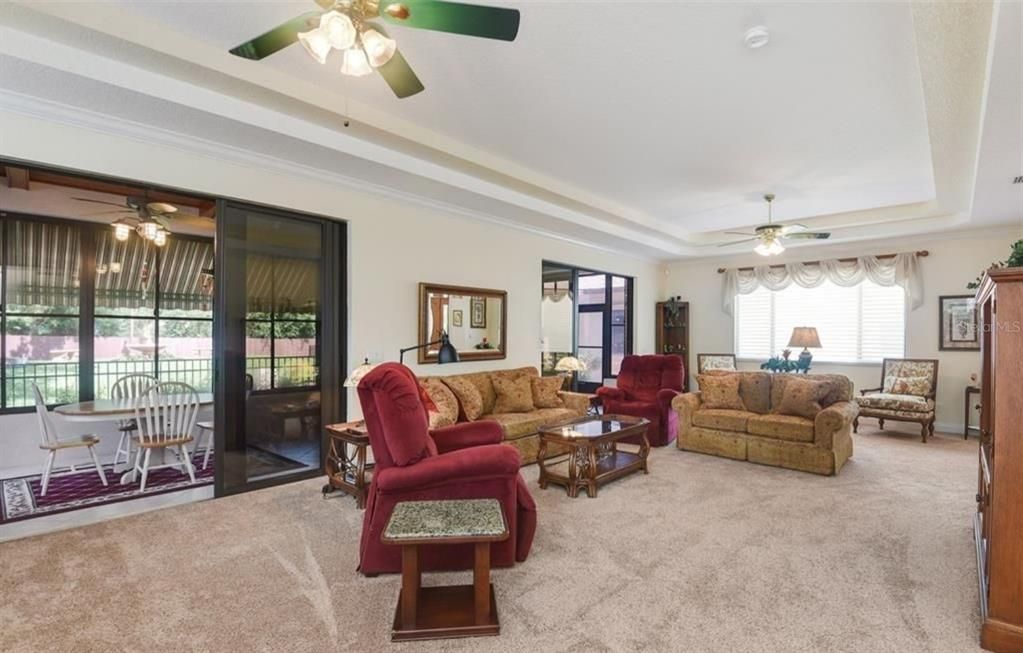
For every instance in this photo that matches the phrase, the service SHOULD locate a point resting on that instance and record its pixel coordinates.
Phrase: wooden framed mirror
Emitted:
(475, 319)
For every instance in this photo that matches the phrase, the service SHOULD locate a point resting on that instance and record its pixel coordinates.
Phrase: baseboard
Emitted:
(1000, 637)
(939, 427)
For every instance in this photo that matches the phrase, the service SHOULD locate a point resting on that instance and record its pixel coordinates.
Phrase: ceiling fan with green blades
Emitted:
(771, 234)
(345, 25)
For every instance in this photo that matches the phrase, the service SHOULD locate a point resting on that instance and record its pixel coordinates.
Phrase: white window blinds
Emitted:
(863, 323)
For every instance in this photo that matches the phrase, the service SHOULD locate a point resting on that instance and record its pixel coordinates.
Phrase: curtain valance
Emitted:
(900, 270)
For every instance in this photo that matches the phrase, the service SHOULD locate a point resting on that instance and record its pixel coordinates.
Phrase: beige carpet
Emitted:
(703, 554)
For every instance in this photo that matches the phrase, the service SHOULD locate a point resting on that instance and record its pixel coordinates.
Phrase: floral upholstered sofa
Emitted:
(519, 399)
(757, 417)
(908, 387)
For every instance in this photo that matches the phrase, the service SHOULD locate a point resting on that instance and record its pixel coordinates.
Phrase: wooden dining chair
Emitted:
(165, 414)
(130, 386)
(53, 443)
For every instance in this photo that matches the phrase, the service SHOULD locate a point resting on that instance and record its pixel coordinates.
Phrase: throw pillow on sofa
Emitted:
(720, 391)
(444, 400)
(802, 397)
(545, 391)
(514, 394)
(468, 396)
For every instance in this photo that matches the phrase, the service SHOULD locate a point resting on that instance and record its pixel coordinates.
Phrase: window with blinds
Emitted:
(864, 323)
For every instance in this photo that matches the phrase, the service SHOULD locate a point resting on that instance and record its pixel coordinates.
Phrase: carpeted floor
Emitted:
(704, 554)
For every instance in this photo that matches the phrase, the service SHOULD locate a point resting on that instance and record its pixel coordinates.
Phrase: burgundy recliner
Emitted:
(413, 463)
(646, 386)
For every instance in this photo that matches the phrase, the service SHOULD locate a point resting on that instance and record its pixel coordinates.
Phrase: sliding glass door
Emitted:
(278, 338)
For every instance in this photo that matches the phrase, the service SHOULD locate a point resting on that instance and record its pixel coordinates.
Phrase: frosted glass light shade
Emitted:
(122, 231)
(148, 229)
(160, 239)
(355, 63)
(316, 43)
(771, 248)
(338, 29)
(379, 48)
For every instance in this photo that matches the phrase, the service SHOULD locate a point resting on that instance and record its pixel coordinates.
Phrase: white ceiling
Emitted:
(648, 125)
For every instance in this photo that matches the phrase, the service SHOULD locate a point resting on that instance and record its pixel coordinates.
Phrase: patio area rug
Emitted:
(20, 497)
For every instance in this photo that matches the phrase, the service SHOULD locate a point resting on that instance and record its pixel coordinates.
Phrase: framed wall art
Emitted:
(958, 323)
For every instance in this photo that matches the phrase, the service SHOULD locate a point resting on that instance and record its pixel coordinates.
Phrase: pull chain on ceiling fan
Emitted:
(345, 25)
(770, 235)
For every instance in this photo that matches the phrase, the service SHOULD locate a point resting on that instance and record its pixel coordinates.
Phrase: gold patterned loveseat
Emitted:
(520, 428)
(759, 434)
(908, 387)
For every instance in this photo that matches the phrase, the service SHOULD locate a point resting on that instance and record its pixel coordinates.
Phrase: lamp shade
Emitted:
(805, 337)
(359, 372)
(570, 364)
(447, 352)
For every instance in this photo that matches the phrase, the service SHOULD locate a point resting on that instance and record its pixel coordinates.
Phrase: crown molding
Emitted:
(75, 117)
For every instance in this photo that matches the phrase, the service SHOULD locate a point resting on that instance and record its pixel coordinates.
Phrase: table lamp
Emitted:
(805, 337)
(362, 370)
(572, 365)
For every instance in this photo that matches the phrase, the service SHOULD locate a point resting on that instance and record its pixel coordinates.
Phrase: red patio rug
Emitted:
(20, 497)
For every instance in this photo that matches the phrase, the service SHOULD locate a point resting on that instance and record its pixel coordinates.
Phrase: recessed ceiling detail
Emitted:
(863, 118)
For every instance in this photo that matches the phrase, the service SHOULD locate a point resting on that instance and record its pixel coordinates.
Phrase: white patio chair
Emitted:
(130, 386)
(165, 414)
(50, 441)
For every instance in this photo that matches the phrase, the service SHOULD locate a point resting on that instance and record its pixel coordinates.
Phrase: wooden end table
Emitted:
(450, 611)
(593, 454)
(970, 390)
(346, 460)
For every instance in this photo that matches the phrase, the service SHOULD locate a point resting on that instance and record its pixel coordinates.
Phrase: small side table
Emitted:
(595, 405)
(346, 460)
(969, 390)
(455, 610)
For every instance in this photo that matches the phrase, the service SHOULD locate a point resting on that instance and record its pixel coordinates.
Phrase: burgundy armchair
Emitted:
(646, 386)
(463, 461)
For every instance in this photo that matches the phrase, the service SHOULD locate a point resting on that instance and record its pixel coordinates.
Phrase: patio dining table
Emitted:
(111, 410)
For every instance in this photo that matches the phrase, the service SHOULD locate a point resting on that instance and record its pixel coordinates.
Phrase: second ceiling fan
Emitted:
(771, 234)
(345, 25)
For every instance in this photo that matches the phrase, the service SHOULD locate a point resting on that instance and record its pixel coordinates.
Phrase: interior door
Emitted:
(278, 334)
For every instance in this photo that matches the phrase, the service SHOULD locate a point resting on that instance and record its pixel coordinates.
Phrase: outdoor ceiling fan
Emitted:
(148, 219)
(345, 25)
(770, 235)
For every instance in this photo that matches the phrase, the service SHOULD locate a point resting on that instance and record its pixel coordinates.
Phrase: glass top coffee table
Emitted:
(593, 454)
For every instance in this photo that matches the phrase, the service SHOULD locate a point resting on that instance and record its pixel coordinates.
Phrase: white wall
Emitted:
(954, 261)
(557, 325)
(393, 245)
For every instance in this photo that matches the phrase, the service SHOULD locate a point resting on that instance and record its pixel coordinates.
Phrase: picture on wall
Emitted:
(958, 315)
(456, 318)
(478, 313)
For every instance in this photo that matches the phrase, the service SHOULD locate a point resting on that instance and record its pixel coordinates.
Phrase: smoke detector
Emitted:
(756, 37)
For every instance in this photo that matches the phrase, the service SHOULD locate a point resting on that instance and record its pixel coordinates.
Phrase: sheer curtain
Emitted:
(901, 270)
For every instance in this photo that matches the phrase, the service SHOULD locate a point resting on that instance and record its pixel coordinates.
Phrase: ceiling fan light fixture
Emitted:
(160, 239)
(316, 43)
(355, 63)
(339, 29)
(148, 229)
(379, 48)
(769, 248)
(122, 230)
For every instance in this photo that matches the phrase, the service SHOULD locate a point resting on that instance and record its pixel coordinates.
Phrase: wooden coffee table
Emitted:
(593, 455)
(451, 611)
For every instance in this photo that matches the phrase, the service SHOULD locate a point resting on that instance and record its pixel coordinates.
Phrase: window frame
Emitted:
(607, 307)
(817, 360)
(86, 316)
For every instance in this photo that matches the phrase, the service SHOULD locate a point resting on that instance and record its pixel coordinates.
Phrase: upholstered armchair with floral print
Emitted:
(908, 388)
